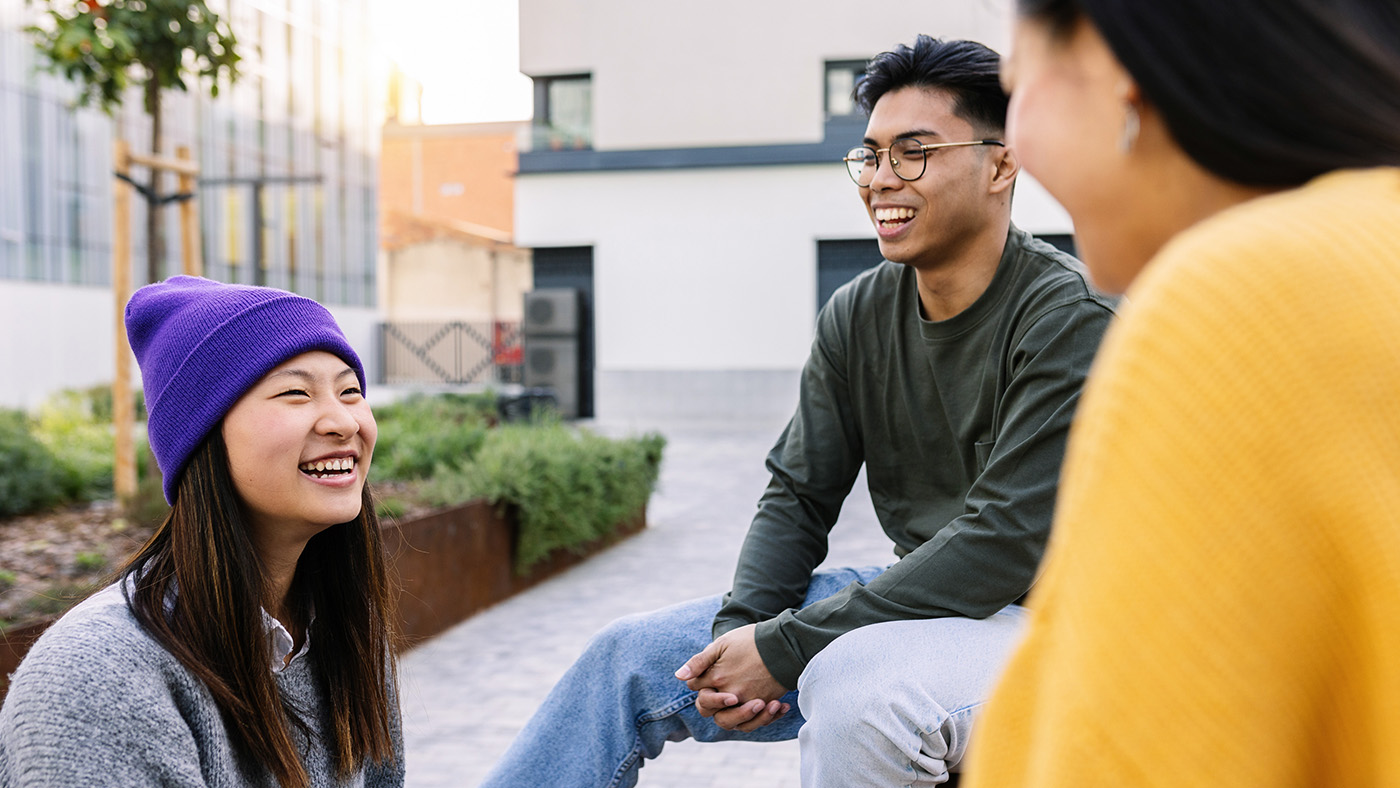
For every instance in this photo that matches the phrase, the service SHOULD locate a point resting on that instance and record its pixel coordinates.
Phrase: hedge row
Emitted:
(60, 456)
(565, 486)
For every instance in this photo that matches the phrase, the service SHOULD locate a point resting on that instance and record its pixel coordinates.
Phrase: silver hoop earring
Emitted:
(1131, 126)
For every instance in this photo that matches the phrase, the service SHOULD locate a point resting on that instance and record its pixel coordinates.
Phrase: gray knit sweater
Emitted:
(98, 702)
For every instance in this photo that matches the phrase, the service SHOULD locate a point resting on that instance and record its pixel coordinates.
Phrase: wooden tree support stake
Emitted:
(123, 407)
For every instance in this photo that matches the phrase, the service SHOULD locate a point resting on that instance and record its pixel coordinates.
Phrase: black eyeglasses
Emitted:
(908, 158)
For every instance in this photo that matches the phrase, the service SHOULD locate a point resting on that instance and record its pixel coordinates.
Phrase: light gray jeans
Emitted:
(894, 704)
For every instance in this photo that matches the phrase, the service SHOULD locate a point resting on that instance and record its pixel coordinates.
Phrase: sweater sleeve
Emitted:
(986, 558)
(90, 706)
(1216, 607)
(813, 466)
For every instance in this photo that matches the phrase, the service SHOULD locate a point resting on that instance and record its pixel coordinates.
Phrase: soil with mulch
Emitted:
(51, 559)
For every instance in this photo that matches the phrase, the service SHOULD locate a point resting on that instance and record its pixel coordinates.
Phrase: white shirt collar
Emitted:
(279, 642)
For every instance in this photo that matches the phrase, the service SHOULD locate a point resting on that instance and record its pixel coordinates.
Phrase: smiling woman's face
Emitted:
(300, 443)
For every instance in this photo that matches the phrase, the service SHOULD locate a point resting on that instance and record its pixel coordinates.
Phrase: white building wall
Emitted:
(725, 72)
(696, 269)
(1035, 211)
(63, 338)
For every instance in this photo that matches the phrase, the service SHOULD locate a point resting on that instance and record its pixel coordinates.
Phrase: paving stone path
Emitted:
(469, 691)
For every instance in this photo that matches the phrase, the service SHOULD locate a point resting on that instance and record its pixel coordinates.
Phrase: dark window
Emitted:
(572, 266)
(838, 262)
(842, 76)
(563, 112)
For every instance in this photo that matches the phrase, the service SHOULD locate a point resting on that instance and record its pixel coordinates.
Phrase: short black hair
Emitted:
(967, 70)
(1260, 92)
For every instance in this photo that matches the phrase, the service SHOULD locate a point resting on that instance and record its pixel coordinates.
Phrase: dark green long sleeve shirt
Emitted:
(961, 425)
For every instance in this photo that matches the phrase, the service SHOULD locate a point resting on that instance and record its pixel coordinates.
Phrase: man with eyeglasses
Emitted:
(951, 372)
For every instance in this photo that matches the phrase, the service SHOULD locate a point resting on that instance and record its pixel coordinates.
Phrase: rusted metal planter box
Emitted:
(459, 561)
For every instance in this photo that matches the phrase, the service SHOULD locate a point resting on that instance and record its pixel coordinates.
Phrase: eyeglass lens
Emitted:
(906, 157)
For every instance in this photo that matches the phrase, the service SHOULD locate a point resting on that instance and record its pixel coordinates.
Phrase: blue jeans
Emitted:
(620, 702)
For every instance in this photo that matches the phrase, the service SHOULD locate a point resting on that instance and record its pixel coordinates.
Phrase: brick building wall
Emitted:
(459, 172)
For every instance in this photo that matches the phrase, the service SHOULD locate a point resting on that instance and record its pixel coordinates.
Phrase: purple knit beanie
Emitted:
(201, 344)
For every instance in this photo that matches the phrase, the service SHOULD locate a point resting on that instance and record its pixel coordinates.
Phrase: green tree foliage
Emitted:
(104, 46)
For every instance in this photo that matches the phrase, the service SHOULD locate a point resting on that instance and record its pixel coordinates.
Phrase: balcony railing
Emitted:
(557, 138)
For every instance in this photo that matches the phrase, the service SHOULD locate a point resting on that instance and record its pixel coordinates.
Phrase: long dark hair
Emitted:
(202, 558)
(966, 70)
(1260, 92)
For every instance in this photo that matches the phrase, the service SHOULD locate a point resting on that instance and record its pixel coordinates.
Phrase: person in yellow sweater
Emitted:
(1220, 604)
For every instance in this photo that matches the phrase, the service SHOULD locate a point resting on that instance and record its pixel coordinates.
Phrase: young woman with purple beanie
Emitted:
(249, 641)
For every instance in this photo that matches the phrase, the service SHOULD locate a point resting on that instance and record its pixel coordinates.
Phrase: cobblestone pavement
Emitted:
(469, 691)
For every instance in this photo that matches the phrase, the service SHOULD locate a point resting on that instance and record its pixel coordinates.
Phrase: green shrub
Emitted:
(56, 599)
(95, 402)
(390, 508)
(75, 425)
(89, 561)
(31, 477)
(7, 579)
(419, 434)
(566, 487)
(79, 433)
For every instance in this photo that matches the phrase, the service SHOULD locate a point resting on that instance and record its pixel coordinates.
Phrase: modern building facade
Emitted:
(684, 169)
(289, 168)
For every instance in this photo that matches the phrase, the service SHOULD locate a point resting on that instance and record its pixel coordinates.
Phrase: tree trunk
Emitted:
(155, 235)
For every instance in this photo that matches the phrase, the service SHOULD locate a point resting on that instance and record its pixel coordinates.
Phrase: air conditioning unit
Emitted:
(552, 362)
(551, 311)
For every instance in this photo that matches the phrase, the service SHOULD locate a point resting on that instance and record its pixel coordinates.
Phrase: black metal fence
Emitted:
(456, 353)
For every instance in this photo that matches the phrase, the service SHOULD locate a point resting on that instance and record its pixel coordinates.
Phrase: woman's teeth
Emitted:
(325, 467)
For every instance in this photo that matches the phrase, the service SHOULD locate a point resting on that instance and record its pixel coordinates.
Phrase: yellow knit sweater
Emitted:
(1221, 601)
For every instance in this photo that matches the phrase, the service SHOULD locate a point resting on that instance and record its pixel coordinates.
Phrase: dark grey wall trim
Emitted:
(681, 158)
(840, 135)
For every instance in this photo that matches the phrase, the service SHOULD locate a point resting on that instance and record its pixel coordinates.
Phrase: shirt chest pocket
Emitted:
(982, 450)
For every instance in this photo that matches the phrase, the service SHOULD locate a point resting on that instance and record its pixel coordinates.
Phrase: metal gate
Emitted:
(456, 353)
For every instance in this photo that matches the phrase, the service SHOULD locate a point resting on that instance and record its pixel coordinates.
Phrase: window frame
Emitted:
(545, 134)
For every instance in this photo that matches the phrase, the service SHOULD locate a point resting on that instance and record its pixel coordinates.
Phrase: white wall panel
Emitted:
(697, 269)
(62, 338)
(725, 72)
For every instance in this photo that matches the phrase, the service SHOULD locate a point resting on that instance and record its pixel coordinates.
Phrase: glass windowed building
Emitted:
(288, 160)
